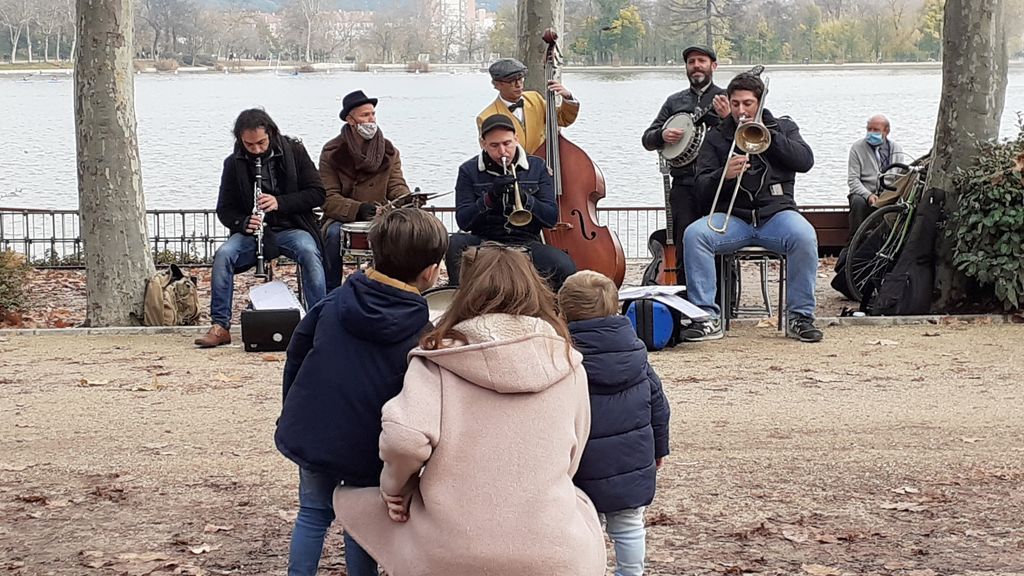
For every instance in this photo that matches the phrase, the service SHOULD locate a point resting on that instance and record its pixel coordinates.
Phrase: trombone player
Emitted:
(504, 195)
(763, 210)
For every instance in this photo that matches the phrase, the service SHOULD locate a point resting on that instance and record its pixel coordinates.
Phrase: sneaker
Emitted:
(802, 328)
(701, 331)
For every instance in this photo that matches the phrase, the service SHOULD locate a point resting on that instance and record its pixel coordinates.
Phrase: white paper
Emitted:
(667, 295)
(274, 296)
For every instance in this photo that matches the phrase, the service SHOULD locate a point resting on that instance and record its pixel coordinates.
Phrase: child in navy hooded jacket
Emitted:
(346, 359)
(629, 415)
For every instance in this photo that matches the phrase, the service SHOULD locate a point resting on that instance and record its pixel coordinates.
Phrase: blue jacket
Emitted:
(346, 359)
(536, 193)
(629, 415)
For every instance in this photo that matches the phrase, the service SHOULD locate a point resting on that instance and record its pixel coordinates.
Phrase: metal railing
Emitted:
(52, 238)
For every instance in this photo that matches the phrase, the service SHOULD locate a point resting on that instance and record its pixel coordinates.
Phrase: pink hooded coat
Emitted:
(498, 425)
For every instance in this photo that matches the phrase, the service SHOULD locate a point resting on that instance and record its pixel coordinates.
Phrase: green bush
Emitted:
(988, 226)
(13, 276)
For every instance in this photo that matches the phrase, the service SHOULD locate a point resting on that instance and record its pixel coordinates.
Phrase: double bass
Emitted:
(578, 233)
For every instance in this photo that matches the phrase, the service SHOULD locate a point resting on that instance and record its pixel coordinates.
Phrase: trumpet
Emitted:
(752, 137)
(257, 191)
(519, 216)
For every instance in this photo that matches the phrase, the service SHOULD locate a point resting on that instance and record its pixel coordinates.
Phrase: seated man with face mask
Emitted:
(360, 169)
(868, 156)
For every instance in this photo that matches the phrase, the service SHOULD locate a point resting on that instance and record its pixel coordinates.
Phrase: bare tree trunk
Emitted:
(15, 39)
(536, 16)
(973, 92)
(309, 36)
(28, 41)
(111, 203)
(709, 33)
(46, 48)
(60, 33)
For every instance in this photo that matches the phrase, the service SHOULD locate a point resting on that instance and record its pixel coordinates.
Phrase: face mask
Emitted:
(367, 130)
(874, 138)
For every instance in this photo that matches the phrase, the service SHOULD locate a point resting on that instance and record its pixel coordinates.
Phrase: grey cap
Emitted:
(507, 69)
(709, 52)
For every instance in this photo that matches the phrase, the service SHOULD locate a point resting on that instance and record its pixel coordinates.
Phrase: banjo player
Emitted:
(677, 133)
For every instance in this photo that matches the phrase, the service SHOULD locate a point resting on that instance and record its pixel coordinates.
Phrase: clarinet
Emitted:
(261, 271)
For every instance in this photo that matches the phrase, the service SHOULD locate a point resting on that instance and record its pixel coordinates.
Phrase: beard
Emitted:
(704, 79)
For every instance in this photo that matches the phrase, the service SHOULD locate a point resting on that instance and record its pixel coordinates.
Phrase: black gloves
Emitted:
(367, 210)
(499, 188)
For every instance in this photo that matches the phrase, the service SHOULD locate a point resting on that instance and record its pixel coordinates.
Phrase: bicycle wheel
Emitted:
(874, 249)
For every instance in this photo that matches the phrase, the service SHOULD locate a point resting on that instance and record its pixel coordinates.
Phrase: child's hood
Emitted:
(377, 312)
(615, 359)
(507, 354)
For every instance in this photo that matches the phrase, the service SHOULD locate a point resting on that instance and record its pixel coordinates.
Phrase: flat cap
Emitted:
(709, 52)
(507, 69)
(496, 121)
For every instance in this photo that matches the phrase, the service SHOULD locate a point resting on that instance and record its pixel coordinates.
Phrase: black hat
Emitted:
(710, 53)
(507, 69)
(496, 121)
(352, 101)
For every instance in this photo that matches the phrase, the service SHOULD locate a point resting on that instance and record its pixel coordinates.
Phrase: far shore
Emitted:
(442, 68)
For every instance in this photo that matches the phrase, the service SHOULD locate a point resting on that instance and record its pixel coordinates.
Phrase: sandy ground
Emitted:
(894, 450)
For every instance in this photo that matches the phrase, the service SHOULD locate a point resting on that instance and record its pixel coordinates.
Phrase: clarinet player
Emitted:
(289, 189)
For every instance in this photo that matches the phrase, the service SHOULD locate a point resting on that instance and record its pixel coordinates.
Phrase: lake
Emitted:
(185, 121)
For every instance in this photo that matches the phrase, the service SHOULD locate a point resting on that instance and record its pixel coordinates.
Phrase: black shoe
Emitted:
(802, 328)
(702, 331)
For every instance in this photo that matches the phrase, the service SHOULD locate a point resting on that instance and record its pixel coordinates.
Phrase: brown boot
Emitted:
(214, 337)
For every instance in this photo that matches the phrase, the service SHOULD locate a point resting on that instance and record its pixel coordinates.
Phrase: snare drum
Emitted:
(438, 300)
(355, 239)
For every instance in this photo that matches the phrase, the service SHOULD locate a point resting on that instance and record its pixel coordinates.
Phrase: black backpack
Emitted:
(907, 288)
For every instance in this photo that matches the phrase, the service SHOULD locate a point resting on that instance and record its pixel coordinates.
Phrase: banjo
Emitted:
(684, 152)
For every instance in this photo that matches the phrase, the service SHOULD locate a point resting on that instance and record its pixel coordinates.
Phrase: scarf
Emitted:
(367, 155)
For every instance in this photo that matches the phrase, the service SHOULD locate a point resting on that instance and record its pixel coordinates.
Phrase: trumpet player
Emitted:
(504, 195)
(290, 189)
(764, 211)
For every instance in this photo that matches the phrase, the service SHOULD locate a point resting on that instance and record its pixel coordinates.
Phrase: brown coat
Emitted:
(498, 426)
(347, 189)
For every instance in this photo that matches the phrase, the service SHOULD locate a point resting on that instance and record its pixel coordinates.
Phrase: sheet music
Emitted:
(667, 295)
(274, 296)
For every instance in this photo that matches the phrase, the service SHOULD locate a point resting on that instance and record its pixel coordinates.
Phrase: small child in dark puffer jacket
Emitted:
(629, 420)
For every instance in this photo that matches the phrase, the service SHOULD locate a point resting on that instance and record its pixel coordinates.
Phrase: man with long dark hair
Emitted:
(291, 189)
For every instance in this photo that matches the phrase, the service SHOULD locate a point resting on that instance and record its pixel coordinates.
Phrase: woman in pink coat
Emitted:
(495, 412)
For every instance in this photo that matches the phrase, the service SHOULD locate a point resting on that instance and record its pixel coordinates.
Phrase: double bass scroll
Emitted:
(579, 185)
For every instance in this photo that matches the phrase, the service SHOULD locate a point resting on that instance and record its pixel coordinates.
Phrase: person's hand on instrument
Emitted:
(721, 104)
(872, 198)
(267, 202)
(672, 135)
(367, 210)
(736, 165)
(557, 88)
(253, 225)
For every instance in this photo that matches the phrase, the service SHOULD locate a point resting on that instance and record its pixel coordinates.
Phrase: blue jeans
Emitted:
(626, 529)
(786, 233)
(316, 512)
(239, 254)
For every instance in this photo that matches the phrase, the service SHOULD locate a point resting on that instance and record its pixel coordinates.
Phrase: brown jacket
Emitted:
(531, 136)
(498, 426)
(347, 189)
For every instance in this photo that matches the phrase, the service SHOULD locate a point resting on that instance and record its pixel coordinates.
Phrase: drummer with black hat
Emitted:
(526, 108)
(360, 169)
(702, 94)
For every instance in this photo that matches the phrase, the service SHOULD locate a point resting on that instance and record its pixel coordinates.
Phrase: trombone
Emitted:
(752, 137)
(519, 216)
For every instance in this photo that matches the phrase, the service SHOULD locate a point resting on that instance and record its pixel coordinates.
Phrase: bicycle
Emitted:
(878, 242)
